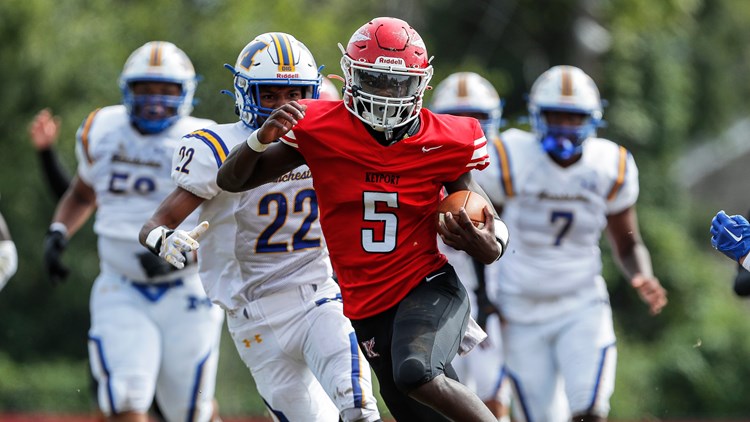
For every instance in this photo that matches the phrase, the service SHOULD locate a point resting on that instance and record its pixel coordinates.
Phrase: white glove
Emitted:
(8, 261)
(175, 245)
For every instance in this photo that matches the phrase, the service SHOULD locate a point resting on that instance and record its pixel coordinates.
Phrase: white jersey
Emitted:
(260, 241)
(130, 173)
(556, 217)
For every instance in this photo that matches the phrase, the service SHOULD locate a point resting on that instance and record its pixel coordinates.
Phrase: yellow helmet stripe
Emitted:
(566, 85)
(156, 53)
(463, 89)
(284, 52)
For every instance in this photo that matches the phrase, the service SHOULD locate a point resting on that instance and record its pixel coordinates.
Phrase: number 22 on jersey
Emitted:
(305, 217)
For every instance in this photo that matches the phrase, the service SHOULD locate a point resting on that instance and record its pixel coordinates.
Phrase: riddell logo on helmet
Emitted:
(287, 75)
(390, 60)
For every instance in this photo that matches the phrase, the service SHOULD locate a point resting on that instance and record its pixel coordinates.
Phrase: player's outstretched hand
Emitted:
(281, 121)
(730, 235)
(54, 246)
(650, 291)
(44, 129)
(179, 242)
(460, 233)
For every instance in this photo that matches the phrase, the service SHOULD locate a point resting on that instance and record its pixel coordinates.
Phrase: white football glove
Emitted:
(175, 244)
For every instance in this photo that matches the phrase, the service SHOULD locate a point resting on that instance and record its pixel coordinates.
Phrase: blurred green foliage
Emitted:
(673, 71)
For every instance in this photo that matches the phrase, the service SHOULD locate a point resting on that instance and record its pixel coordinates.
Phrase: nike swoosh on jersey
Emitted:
(429, 279)
(736, 239)
(425, 149)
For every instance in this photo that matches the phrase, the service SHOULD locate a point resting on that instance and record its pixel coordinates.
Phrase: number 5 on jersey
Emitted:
(374, 203)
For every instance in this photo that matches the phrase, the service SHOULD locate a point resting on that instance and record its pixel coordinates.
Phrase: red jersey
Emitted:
(378, 204)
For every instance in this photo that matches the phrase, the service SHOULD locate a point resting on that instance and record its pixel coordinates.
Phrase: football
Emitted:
(472, 202)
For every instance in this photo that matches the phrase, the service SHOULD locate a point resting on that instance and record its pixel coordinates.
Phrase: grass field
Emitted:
(60, 392)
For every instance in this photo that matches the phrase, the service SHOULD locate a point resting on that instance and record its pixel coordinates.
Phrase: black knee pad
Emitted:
(410, 374)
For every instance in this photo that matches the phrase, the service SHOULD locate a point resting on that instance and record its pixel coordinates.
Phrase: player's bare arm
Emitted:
(171, 212)
(460, 233)
(247, 167)
(634, 258)
(177, 247)
(75, 206)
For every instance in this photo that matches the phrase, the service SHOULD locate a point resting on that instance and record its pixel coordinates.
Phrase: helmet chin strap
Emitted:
(396, 134)
(386, 131)
(386, 125)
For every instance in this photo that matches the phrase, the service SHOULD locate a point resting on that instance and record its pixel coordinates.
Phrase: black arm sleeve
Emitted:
(742, 282)
(57, 177)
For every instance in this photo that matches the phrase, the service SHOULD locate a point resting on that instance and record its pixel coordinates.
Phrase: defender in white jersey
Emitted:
(264, 259)
(154, 333)
(469, 94)
(560, 187)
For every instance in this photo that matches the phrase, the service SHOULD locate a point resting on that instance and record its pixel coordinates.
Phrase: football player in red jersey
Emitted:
(379, 162)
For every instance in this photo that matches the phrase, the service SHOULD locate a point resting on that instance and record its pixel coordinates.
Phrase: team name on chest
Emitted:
(389, 178)
(294, 175)
(580, 189)
(118, 158)
(133, 153)
(561, 197)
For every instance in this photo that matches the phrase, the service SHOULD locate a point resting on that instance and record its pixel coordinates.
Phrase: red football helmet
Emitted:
(386, 71)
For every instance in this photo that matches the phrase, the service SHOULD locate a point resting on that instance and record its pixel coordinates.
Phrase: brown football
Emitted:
(472, 202)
